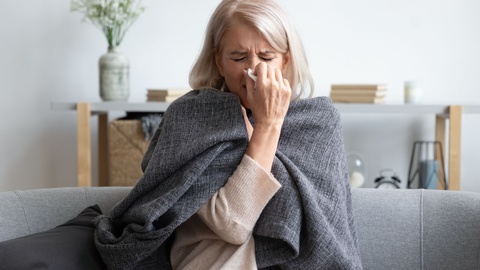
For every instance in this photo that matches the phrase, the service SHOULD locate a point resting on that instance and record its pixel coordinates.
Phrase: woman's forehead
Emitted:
(241, 37)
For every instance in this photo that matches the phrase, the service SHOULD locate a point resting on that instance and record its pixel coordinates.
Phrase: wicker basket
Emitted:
(126, 148)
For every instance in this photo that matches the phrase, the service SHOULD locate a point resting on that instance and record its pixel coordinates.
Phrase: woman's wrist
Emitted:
(263, 143)
(270, 125)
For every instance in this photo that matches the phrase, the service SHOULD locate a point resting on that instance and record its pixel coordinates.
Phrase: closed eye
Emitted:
(265, 59)
(267, 56)
(239, 59)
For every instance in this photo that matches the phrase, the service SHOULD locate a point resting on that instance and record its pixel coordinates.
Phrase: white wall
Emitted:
(47, 54)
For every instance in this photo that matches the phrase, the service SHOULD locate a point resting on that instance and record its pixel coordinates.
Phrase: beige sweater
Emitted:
(219, 235)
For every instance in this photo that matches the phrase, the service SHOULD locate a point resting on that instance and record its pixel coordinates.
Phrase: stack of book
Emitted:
(166, 94)
(358, 93)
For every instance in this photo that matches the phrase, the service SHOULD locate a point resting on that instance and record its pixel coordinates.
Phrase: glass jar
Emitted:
(413, 92)
(356, 169)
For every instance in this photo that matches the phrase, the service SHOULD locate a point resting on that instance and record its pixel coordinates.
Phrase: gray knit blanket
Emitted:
(308, 224)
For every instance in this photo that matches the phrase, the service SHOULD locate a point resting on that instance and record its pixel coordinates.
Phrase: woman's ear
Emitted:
(218, 62)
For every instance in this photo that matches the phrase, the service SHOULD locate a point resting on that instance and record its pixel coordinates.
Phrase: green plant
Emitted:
(112, 17)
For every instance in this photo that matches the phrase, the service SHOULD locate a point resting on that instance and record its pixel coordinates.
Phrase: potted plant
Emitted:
(113, 18)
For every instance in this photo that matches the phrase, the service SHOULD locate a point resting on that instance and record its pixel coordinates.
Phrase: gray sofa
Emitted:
(397, 229)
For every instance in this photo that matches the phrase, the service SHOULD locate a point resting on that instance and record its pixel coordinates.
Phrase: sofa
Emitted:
(397, 229)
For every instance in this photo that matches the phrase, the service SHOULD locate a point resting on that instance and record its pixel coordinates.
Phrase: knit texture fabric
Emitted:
(308, 224)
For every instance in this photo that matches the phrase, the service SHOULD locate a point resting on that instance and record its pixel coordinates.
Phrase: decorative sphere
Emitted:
(356, 169)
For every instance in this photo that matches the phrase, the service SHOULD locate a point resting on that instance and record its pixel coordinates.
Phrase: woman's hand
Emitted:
(269, 99)
(269, 96)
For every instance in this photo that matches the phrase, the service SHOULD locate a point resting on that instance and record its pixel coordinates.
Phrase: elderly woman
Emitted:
(242, 173)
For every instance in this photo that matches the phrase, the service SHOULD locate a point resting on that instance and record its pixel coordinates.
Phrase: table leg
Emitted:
(454, 146)
(103, 176)
(84, 160)
(440, 130)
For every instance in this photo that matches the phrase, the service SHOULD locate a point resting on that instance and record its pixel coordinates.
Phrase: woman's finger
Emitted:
(250, 85)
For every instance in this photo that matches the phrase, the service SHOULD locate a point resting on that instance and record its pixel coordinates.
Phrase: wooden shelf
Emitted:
(442, 113)
(391, 109)
(105, 107)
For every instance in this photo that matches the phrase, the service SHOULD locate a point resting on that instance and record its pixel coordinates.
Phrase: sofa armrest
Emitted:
(26, 212)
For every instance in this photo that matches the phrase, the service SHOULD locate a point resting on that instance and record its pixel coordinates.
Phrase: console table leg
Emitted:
(84, 162)
(454, 146)
(440, 124)
(103, 176)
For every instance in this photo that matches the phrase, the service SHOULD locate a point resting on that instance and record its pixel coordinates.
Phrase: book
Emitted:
(372, 100)
(358, 93)
(166, 94)
(163, 99)
(168, 91)
(371, 87)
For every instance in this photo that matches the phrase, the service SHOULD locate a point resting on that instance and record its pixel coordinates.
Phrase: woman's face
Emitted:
(244, 47)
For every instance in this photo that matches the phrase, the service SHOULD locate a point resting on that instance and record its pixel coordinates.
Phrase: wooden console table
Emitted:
(443, 113)
(84, 149)
(85, 110)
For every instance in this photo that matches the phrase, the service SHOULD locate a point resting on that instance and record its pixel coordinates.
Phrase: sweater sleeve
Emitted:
(235, 208)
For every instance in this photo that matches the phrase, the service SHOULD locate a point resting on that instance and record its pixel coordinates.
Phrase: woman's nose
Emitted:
(252, 63)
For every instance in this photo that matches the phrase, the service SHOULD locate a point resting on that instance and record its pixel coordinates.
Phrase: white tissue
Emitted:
(250, 74)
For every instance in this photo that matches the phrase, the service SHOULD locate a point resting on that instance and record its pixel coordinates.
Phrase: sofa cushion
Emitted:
(68, 246)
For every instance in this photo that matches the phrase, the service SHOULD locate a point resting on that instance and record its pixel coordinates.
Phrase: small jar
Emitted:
(356, 169)
(413, 92)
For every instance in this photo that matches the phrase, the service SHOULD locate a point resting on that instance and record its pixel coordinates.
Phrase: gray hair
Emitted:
(273, 23)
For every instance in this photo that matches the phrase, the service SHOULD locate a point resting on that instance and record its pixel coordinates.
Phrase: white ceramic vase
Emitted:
(114, 72)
